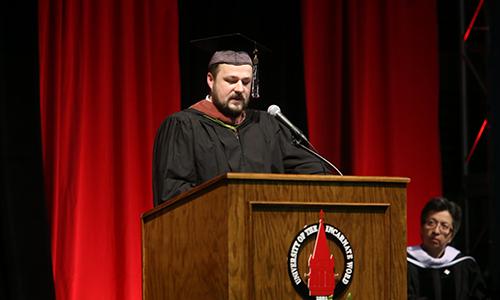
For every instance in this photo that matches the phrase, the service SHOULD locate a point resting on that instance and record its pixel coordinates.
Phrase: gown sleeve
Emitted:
(477, 289)
(174, 168)
(412, 283)
(297, 160)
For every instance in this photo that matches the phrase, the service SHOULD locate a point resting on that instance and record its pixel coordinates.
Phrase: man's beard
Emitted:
(226, 110)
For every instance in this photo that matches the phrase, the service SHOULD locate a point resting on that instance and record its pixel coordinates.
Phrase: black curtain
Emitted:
(494, 96)
(25, 264)
(468, 96)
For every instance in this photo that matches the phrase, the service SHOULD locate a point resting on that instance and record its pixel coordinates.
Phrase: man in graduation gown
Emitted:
(437, 271)
(219, 135)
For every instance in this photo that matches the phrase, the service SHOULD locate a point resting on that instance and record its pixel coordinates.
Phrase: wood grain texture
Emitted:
(229, 238)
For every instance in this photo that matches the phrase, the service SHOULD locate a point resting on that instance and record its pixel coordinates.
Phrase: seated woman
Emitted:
(436, 270)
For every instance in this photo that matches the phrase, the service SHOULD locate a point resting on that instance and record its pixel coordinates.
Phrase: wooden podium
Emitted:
(230, 237)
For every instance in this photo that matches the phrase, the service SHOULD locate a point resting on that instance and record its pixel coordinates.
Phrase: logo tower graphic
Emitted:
(321, 276)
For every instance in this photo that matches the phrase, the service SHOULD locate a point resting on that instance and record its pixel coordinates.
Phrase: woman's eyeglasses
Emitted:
(444, 228)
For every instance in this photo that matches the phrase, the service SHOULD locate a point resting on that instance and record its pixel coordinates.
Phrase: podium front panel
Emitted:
(230, 238)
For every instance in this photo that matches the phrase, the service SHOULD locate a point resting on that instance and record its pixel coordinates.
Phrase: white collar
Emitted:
(423, 259)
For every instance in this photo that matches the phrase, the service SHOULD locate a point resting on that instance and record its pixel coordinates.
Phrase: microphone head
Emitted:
(273, 110)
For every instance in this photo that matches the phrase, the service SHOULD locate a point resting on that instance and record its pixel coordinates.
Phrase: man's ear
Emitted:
(210, 80)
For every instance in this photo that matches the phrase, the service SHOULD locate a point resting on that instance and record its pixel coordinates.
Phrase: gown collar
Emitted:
(208, 108)
(428, 261)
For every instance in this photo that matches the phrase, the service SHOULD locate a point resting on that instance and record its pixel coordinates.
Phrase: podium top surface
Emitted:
(305, 177)
(228, 178)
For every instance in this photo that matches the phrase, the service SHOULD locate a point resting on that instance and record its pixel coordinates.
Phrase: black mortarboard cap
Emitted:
(234, 49)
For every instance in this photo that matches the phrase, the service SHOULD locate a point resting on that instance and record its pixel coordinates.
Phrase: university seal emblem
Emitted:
(322, 280)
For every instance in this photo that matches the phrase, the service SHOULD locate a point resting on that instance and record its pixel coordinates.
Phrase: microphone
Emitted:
(275, 111)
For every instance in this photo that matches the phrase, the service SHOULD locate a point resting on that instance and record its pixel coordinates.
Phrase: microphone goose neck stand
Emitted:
(297, 142)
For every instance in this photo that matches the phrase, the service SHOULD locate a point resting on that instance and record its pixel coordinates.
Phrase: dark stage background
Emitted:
(383, 87)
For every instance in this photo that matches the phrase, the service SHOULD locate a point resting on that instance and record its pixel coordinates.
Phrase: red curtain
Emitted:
(371, 77)
(109, 74)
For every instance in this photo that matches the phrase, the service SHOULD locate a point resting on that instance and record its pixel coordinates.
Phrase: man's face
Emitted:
(231, 88)
(437, 232)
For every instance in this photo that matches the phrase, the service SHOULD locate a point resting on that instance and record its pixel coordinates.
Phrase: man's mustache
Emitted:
(237, 97)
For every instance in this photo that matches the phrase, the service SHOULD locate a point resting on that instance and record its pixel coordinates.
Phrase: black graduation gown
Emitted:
(458, 279)
(191, 148)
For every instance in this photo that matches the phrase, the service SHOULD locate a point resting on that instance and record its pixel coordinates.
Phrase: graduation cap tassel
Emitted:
(255, 77)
